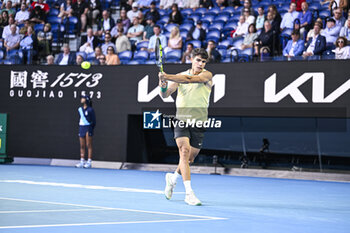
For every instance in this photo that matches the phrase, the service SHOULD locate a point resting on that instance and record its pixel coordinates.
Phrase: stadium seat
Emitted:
(38, 27)
(142, 44)
(163, 20)
(230, 10)
(213, 35)
(135, 62)
(214, 10)
(54, 20)
(324, 14)
(228, 28)
(53, 12)
(150, 62)
(183, 34)
(162, 12)
(264, 4)
(222, 53)
(106, 4)
(201, 11)
(196, 43)
(2, 54)
(152, 56)
(186, 26)
(141, 56)
(71, 25)
(234, 18)
(194, 17)
(208, 18)
(125, 57)
(167, 34)
(170, 26)
(217, 26)
(224, 44)
(221, 18)
(186, 12)
(7, 62)
(173, 55)
(237, 42)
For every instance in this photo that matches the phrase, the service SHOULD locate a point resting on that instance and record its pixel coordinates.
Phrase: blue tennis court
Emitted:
(63, 199)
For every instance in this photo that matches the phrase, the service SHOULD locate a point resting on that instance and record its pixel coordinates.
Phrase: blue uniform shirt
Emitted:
(87, 116)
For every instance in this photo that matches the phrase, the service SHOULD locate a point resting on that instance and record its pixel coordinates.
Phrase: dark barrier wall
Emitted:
(42, 101)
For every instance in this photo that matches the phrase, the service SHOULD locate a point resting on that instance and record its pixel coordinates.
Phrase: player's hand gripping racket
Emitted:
(159, 56)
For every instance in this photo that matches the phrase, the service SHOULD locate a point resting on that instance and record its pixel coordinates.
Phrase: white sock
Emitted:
(82, 160)
(187, 184)
(89, 161)
(174, 177)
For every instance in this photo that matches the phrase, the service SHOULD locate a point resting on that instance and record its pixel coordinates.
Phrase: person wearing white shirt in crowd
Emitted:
(134, 12)
(7, 29)
(345, 31)
(12, 40)
(135, 32)
(122, 43)
(166, 4)
(22, 15)
(153, 39)
(15, 3)
(260, 18)
(289, 17)
(341, 51)
(144, 3)
(339, 18)
(249, 19)
(242, 28)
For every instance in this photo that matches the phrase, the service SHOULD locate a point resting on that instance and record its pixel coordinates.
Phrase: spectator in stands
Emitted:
(106, 24)
(23, 30)
(299, 4)
(274, 23)
(249, 19)
(134, 12)
(114, 32)
(66, 9)
(37, 15)
(142, 19)
(265, 39)
(276, 17)
(65, 58)
(95, 10)
(247, 4)
(242, 28)
(80, 10)
(50, 60)
(345, 31)
(122, 43)
(9, 8)
(148, 29)
(311, 32)
(341, 51)
(4, 19)
(107, 43)
(295, 46)
(45, 41)
(135, 33)
(102, 60)
(144, 4)
(316, 44)
(213, 54)
(98, 52)
(175, 15)
(15, 3)
(125, 20)
(339, 19)
(175, 40)
(193, 4)
(206, 4)
(305, 17)
(79, 60)
(152, 40)
(22, 15)
(196, 32)
(126, 5)
(289, 17)
(260, 18)
(331, 32)
(249, 39)
(111, 57)
(7, 29)
(43, 6)
(89, 42)
(222, 3)
(12, 40)
(153, 12)
(166, 4)
(186, 57)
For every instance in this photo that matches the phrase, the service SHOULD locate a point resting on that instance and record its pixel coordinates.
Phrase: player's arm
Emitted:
(167, 88)
(203, 77)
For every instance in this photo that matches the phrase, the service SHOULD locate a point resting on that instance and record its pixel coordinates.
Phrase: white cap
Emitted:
(135, 4)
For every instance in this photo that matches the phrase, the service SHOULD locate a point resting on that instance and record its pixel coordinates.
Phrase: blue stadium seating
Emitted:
(53, 12)
(141, 56)
(201, 11)
(173, 55)
(170, 26)
(213, 35)
(230, 10)
(215, 10)
(135, 62)
(237, 42)
(54, 20)
(196, 43)
(150, 62)
(224, 44)
(125, 57)
(186, 26)
(217, 25)
(83, 54)
(142, 44)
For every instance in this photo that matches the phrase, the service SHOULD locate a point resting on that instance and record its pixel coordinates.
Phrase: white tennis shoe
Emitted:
(87, 165)
(191, 199)
(80, 165)
(169, 186)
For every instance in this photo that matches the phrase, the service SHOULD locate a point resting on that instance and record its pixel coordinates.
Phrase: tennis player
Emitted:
(86, 130)
(193, 91)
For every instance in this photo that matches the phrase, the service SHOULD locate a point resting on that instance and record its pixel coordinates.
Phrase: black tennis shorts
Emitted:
(196, 135)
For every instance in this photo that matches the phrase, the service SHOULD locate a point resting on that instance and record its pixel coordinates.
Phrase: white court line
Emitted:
(95, 187)
(120, 209)
(105, 223)
(44, 211)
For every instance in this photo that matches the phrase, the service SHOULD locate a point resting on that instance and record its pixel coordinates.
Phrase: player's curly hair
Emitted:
(200, 52)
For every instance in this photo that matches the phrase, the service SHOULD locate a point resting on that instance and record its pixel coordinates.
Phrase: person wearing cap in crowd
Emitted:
(196, 32)
(114, 32)
(135, 33)
(317, 44)
(134, 12)
(331, 32)
(87, 125)
(149, 28)
(105, 24)
(153, 12)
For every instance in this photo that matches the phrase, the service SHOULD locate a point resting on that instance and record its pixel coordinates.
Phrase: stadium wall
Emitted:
(42, 101)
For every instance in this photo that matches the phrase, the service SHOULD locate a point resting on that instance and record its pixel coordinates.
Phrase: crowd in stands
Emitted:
(230, 30)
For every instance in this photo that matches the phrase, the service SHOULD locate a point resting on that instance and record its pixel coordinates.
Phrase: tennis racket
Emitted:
(159, 56)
